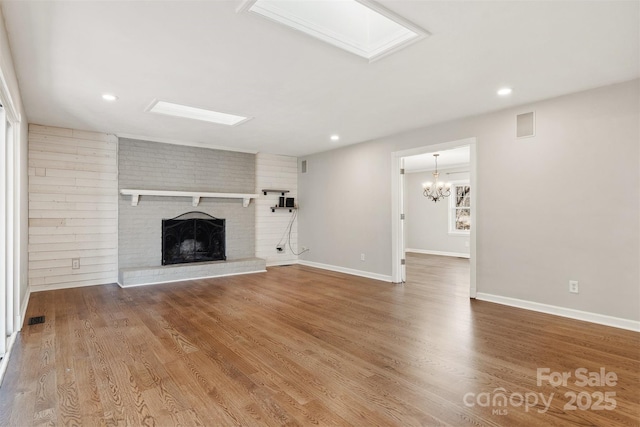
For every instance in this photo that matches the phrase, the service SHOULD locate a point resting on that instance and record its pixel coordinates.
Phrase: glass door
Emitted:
(6, 282)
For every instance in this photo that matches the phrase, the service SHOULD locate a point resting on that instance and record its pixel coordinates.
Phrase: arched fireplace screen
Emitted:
(193, 237)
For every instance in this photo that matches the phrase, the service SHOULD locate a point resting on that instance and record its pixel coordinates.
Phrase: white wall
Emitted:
(275, 172)
(21, 179)
(73, 208)
(427, 223)
(560, 206)
(346, 200)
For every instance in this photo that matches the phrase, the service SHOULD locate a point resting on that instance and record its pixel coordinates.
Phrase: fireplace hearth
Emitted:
(193, 237)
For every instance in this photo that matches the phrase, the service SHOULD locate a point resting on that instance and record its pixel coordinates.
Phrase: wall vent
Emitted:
(303, 166)
(525, 125)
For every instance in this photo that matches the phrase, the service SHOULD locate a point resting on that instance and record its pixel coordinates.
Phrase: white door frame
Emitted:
(397, 249)
(402, 232)
(6, 270)
(11, 225)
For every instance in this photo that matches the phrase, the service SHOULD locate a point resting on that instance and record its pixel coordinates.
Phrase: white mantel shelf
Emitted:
(195, 195)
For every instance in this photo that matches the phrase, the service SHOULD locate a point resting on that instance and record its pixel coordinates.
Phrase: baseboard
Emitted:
(72, 285)
(191, 278)
(428, 252)
(368, 275)
(283, 262)
(19, 323)
(601, 319)
(23, 308)
(5, 359)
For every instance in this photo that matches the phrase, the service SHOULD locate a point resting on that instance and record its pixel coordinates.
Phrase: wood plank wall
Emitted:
(276, 172)
(73, 208)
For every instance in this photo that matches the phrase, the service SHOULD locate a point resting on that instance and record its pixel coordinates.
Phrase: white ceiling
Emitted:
(448, 158)
(297, 89)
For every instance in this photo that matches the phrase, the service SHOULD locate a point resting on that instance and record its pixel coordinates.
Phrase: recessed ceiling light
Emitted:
(505, 91)
(109, 97)
(335, 137)
(363, 27)
(177, 110)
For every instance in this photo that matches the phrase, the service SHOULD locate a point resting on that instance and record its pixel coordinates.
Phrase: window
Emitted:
(460, 209)
(357, 26)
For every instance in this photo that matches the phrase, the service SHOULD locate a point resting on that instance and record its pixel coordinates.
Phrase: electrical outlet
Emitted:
(75, 263)
(361, 257)
(573, 286)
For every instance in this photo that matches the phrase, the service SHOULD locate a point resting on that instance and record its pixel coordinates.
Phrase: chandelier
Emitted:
(436, 190)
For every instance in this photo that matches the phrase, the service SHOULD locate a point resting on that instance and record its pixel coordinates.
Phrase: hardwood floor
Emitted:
(301, 346)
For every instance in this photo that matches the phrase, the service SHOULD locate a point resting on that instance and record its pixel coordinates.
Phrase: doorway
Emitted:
(398, 214)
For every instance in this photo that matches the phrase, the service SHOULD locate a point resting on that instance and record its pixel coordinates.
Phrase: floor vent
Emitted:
(36, 320)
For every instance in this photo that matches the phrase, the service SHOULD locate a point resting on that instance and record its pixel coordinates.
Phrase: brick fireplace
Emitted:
(150, 165)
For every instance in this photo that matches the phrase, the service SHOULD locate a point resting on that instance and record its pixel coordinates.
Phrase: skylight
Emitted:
(357, 26)
(177, 110)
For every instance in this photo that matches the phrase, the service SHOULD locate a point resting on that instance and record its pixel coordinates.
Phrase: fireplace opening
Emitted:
(193, 237)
